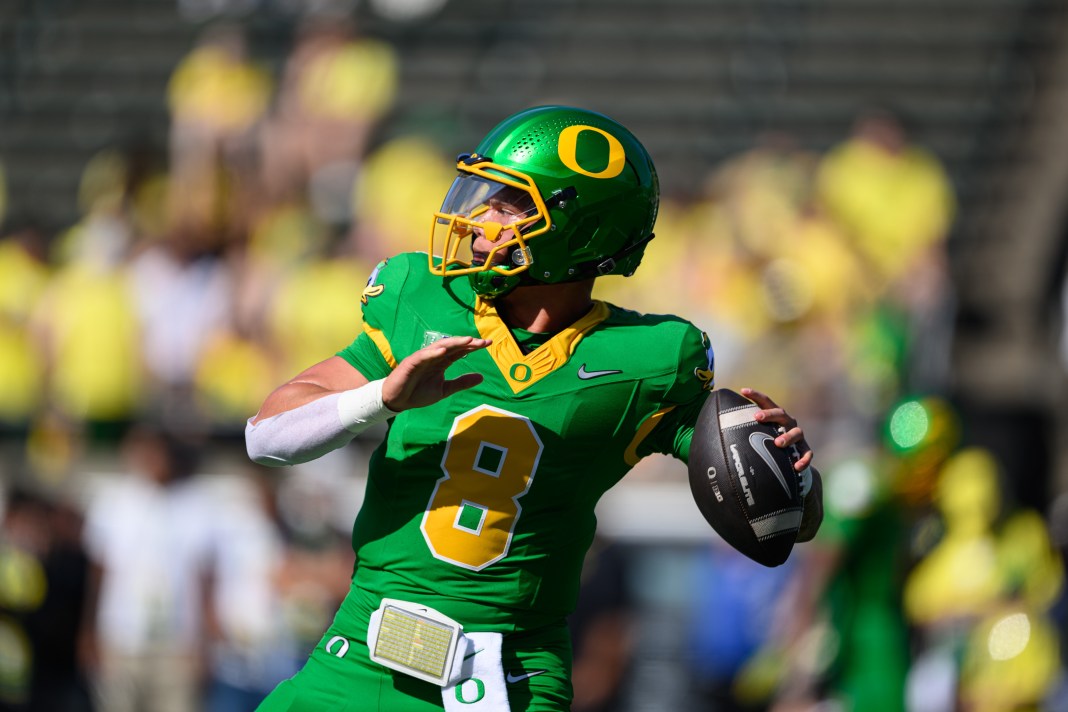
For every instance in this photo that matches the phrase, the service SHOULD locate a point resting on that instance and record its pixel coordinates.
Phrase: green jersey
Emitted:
(482, 505)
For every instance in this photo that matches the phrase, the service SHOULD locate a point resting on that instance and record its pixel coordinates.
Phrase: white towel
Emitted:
(480, 684)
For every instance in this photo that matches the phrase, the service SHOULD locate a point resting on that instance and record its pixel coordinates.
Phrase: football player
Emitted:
(515, 401)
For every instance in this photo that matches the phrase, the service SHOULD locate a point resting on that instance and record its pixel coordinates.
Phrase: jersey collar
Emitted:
(521, 370)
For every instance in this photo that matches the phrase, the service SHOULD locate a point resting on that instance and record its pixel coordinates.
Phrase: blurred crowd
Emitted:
(145, 564)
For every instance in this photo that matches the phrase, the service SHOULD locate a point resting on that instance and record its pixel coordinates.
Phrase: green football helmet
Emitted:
(587, 193)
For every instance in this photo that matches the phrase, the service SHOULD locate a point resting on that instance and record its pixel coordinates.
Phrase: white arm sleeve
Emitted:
(311, 430)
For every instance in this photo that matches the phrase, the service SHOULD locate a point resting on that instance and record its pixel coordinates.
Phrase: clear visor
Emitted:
(505, 214)
(471, 195)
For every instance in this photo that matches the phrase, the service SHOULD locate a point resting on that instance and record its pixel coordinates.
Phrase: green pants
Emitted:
(345, 679)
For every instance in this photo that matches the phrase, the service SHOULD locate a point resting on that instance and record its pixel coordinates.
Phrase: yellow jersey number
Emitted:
(489, 463)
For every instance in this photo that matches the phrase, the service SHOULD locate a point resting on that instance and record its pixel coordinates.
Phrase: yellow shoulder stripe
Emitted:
(382, 343)
(631, 454)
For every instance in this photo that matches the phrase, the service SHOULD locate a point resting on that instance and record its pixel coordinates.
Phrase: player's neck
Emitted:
(546, 309)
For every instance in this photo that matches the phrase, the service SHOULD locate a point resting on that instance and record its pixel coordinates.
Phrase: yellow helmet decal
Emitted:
(567, 149)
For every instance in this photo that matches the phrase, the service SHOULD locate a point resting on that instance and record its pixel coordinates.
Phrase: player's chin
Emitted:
(481, 261)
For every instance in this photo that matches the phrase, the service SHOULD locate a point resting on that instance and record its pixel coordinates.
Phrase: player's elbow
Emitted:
(296, 436)
(269, 460)
(262, 456)
(264, 449)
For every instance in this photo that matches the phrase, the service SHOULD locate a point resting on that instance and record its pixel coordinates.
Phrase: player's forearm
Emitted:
(289, 396)
(313, 428)
(333, 375)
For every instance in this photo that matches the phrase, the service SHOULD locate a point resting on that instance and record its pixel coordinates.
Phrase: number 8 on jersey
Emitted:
(489, 464)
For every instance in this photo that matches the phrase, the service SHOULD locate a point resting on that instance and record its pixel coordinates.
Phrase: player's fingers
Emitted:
(439, 365)
(442, 354)
(788, 436)
(769, 412)
(804, 461)
(790, 433)
(774, 415)
(458, 351)
(795, 438)
(460, 383)
(759, 398)
(461, 344)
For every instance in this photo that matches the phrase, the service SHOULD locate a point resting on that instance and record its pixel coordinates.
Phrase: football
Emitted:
(743, 483)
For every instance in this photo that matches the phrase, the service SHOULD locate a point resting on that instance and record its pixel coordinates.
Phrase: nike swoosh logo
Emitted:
(512, 679)
(759, 442)
(471, 655)
(587, 375)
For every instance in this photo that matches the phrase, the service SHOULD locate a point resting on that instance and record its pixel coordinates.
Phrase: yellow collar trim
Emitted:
(524, 370)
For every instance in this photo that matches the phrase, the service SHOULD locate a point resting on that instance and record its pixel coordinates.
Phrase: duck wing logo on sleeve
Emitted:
(372, 289)
(707, 375)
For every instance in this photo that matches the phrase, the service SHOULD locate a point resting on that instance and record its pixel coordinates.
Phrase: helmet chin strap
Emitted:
(593, 268)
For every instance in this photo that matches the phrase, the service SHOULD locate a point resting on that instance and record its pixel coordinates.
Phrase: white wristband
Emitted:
(362, 407)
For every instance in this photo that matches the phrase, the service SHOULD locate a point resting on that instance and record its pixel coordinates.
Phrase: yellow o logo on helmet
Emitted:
(567, 149)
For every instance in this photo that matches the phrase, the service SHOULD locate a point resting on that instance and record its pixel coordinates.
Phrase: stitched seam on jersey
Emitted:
(541, 361)
(630, 456)
(382, 343)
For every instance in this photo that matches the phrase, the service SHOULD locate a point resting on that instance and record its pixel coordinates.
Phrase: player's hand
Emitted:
(419, 380)
(791, 434)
